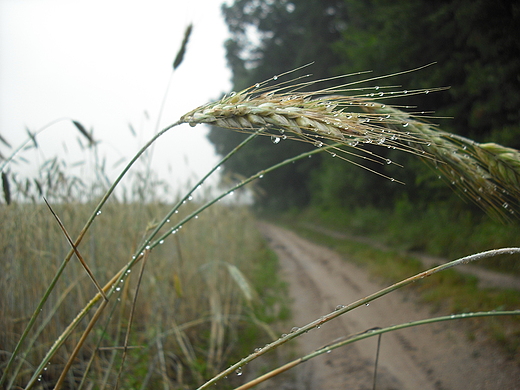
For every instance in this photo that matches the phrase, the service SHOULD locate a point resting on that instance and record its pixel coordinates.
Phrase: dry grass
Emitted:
(194, 298)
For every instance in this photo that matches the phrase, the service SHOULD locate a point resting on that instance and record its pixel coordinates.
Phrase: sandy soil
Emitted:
(435, 356)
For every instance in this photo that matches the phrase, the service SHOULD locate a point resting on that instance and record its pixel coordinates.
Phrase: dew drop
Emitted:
(505, 205)
(339, 307)
(99, 212)
(275, 78)
(168, 220)
(257, 85)
(388, 161)
(196, 217)
(405, 124)
(261, 176)
(161, 242)
(239, 371)
(318, 144)
(118, 289)
(147, 247)
(275, 139)
(367, 304)
(190, 197)
(294, 329)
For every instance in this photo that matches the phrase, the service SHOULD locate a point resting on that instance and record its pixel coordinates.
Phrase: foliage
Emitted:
(476, 50)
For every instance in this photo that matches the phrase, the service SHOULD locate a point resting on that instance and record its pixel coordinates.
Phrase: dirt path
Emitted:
(428, 357)
(487, 278)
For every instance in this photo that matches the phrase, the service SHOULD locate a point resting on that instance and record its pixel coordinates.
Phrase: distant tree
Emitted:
(269, 37)
(476, 47)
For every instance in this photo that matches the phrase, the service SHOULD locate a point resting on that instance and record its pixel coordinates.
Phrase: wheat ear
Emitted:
(489, 174)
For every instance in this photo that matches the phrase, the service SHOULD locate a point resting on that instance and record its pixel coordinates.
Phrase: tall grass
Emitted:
(195, 296)
(193, 262)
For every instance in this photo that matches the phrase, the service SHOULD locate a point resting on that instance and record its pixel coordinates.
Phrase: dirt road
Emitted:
(432, 357)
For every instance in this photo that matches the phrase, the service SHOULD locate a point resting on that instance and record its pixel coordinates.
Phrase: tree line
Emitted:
(475, 45)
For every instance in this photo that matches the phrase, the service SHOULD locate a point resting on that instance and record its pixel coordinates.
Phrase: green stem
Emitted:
(367, 334)
(69, 255)
(375, 332)
(320, 321)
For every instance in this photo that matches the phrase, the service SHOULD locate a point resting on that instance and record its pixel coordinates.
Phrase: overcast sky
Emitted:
(103, 63)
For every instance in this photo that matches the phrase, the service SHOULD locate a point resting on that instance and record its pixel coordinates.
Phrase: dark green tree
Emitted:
(476, 47)
(267, 39)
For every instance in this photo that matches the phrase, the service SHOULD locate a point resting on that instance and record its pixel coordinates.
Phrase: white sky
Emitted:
(103, 63)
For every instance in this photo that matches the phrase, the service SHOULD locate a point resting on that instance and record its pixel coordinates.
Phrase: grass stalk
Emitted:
(326, 318)
(371, 333)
